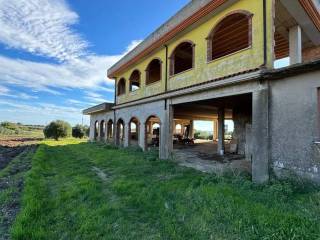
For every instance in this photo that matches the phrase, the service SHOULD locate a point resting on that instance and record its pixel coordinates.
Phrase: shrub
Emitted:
(57, 129)
(79, 131)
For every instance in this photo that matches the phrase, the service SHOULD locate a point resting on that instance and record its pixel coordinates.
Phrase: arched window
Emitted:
(153, 71)
(230, 35)
(182, 58)
(134, 80)
(110, 129)
(121, 86)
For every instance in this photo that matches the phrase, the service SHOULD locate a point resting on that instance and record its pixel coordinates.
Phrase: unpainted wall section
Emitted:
(103, 116)
(294, 125)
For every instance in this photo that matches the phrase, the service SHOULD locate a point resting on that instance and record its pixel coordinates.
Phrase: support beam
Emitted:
(126, 135)
(166, 143)
(191, 130)
(260, 137)
(215, 130)
(221, 131)
(295, 45)
(142, 136)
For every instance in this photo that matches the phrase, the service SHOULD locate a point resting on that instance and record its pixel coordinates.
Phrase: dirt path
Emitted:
(15, 161)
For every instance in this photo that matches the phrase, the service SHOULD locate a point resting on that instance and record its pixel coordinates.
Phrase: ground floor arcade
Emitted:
(276, 124)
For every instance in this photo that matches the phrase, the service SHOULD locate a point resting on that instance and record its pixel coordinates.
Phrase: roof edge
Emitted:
(193, 18)
(312, 11)
(103, 107)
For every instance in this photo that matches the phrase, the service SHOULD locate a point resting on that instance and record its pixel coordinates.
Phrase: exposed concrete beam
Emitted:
(295, 45)
(302, 18)
(221, 131)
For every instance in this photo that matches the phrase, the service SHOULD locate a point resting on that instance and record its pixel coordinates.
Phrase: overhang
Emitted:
(104, 107)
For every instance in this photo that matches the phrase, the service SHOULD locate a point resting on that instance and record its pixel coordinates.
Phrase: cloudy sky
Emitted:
(54, 54)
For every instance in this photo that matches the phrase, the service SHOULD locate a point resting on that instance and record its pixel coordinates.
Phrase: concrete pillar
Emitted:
(126, 135)
(166, 142)
(142, 136)
(295, 45)
(221, 130)
(91, 132)
(215, 130)
(191, 130)
(260, 137)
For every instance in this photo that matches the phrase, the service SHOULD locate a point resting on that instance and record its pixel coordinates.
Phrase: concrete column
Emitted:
(166, 143)
(142, 136)
(295, 45)
(191, 130)
(260, 137)
(215, 130)
(91, 132)
(221, 130)
(126, 135)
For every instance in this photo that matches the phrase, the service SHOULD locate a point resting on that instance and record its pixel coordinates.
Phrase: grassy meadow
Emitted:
(79, 190)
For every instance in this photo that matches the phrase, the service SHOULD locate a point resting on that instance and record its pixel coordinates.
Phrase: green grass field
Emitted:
(78, 190)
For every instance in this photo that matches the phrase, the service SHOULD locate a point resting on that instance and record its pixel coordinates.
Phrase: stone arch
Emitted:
(134, 130)
(153, 71)
(102, 128)
(152, 131)
(120, 132)
(135, 80)
(121, 87)
(231, 34)
(182, 57)
(110, 128)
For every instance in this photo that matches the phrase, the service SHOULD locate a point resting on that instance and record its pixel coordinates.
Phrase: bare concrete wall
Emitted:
(293, 125)
(106, 116)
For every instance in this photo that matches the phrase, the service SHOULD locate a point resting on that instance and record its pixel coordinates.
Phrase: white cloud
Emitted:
(38, 113)
(4, 90)
(132, 45)
(41, 27)
(44, 28)
(89, 72)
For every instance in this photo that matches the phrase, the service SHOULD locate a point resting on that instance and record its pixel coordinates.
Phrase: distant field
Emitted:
(80, 190)
(12, 134)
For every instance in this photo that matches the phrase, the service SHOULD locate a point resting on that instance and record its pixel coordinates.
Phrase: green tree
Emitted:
(79, 131)
(57, 129)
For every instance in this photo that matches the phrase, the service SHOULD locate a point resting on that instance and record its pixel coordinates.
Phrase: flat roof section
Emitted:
(104, 107)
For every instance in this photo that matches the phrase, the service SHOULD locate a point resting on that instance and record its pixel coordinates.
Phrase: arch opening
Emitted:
(121, 87)
(153, 71)
(110, 130)
(102, 130)
(135, 80)
(134, 132)
(120, 132)
(231, 34)
(182, 58)
(96, 130)
(153, 127)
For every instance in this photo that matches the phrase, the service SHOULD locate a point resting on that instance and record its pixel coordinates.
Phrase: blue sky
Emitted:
(54, 54)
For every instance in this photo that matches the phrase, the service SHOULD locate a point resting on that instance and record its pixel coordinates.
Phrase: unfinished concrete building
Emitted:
(216, 60)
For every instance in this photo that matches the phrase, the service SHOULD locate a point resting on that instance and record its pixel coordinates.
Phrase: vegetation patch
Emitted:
(11, 186)
(66, 197)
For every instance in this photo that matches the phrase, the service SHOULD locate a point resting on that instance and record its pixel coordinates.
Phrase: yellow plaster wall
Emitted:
(203, 71)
